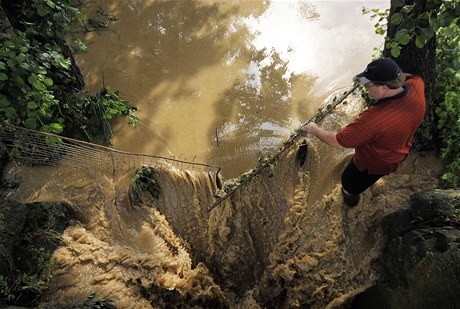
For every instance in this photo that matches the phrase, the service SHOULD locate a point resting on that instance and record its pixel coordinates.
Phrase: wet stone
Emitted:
(421, 264)
(29, 235)
(396, 223)
(435, 204)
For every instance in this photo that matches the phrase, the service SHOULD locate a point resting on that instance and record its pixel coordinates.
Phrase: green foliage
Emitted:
(412, 26)
(26, 287)
(448, 92)
(30, 236)
(28, 97)
(93, 114)
(146, 178)
(144, 182)
(51, 18)
(381, 16)
(267, 159)
(36, 78)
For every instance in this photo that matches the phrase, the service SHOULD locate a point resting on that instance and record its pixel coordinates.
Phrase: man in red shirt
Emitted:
(382, 134)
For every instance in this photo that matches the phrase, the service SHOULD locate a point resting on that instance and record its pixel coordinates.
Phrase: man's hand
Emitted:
(326, 136)
(310, 127)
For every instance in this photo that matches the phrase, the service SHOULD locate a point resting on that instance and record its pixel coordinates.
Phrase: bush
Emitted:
(448, 110)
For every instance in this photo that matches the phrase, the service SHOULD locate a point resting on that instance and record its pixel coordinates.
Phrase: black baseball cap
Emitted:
(379, 71)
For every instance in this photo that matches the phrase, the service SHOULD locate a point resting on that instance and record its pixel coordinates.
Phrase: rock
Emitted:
(30, 234)
(420, 267)
(420, 270)
(13, 216)
(435, 204)
(396, 223)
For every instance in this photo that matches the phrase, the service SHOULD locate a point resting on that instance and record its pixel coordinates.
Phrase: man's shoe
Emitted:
(350, 199)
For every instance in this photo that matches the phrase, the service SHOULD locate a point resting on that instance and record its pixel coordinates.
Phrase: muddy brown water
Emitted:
(283, 241)
(224, 82)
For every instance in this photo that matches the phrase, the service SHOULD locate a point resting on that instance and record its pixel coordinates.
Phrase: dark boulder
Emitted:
(13, 217)
(420, 267)
(436, 205)
(29, 235)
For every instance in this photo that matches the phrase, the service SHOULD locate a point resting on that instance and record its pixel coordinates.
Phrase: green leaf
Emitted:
(32, 105)
(10, 112)
(41, 10)
(20, 58)
(18, 80)
(4, 102)
(3, 76)
(53, 140)
(407, 9)
(427, 33)
(30, 123)
(48, 81)
(396, 18)
(56, 128)
(25, 66)
(445, 20)
(9, 44)
(51, 4)
(420, 41)
(10, 62)
(409, 24)
(395, 51)
(405, 39)
(379, 31)
(402, 37)
(66, 63)
(424, 16)
(36, 83)
(80, 16)
(400, 33)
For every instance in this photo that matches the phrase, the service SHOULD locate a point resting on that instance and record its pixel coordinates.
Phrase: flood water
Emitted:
(283, 241)
(224, 82)
(227, 82)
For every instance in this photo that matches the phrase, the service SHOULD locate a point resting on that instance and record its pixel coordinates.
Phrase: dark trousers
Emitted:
(355, 182)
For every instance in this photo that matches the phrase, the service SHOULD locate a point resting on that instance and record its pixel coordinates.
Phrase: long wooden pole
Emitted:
(298, 133)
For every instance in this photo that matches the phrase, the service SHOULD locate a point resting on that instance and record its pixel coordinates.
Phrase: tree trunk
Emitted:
(13, 10)
(420, 61)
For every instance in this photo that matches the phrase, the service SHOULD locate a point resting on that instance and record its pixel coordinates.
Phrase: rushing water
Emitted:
(283, 241)
(224, 82)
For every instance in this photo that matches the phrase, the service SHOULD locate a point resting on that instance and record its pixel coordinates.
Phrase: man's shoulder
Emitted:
(416, 83)
(415, 79)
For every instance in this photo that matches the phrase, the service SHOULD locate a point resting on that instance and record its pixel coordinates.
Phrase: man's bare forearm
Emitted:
(328, 137)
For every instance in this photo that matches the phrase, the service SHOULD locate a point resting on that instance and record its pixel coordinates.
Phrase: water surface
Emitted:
(225, 82)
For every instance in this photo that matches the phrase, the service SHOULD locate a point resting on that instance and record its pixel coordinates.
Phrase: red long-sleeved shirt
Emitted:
(382, 134)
